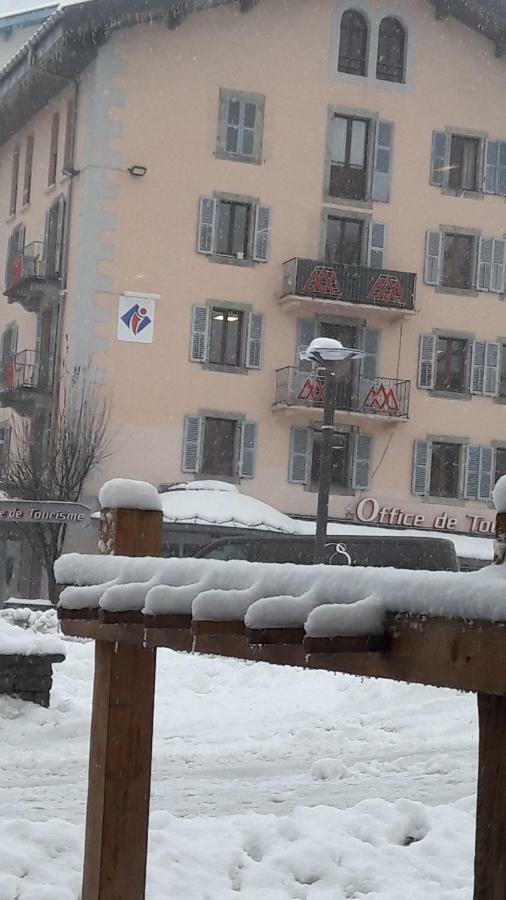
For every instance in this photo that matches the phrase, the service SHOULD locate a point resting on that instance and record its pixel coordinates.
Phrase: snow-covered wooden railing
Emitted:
(442, 629)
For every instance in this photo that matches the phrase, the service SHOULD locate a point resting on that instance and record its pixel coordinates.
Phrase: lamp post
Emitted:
(331, 354)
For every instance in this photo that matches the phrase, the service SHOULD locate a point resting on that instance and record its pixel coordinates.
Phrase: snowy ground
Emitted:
(268, 784)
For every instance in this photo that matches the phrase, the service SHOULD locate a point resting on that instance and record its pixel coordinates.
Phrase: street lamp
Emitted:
(331, 354)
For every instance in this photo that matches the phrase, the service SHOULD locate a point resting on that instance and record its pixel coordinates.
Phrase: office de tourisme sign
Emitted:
(370, 512)
(43, 512)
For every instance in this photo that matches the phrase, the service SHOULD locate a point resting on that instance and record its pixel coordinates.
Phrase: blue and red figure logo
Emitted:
(136, 319)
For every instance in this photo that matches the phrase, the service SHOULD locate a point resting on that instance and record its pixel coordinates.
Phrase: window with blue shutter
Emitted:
(362, 461)
(421, 468)
(427, 361)
(498, 267)
(376, 245)
(300, 455)
(491, 372)
(382, 168)
(262, 238)
(433, 247)
(370, 345)
(192, 443)
(240, 126)
(439, 159)
(478, 472)
(485, 253)
(247, 456)
(254, 341)
(207, 225)
(477, 367)
(494, 181)
(199, 334)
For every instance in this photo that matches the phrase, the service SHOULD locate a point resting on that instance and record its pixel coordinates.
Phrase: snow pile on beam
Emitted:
(124, 493)
(327, 600)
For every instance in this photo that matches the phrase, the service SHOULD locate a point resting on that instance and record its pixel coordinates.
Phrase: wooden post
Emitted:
(121, 737)
(490, 854)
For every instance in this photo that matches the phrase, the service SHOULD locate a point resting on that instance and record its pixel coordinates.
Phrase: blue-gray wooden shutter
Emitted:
(439, 158)
(362, 456)
(487, 468)
(192, 443)
(433, 248)
(247, 458)
(485, 253)
(477, 367)
(262, 237)
(300, 455)
(307, 330)
(207, 224)
(427, 361)
(421, 468)
(376, 249)
(5, 436)
(60, 232)
(497, 276)
(472, 472)
(370, 345)
(490, 180)
(382, 168)
(491, 372)
(254, 341)
(199, 337)
(501, 169)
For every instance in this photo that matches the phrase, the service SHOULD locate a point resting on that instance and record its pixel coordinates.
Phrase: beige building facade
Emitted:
(186, 207)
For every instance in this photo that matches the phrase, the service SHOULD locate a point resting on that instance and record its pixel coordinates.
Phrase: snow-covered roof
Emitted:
(218, 503)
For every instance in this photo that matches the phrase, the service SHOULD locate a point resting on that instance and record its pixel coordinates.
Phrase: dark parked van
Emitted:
(433, 554)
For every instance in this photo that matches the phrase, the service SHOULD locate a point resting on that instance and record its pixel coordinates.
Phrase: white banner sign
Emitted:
(43, 512)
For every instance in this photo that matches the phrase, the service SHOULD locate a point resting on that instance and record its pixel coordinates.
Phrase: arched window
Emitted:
(391, 50)
(353, 43)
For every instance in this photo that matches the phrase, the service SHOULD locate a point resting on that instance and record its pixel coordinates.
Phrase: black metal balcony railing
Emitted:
(383, 288)
(20, 372)
(378, 396)
(27, 265)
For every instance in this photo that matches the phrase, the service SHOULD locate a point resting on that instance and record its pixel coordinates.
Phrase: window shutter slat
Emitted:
(497, 276)
(501, 169)
(300, 447)
(421, 468)
(262, 239)
(477, 367)
(60, 227)
(472, 472)
(427, 361)
(491, 372)
(207, 224)
(362, 455)
(199, 334)
(192, 441)
(432, 269)
(485, 253)
(376, 245)
(439, 158)
(487, 467)
(248, 450)
(491, 167)
(370, 345)
(306, 330)
(382, 161)
(254, 341)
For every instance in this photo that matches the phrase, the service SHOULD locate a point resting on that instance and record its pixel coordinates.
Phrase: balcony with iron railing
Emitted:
(24, 382)
(317, 282)
(30, 277)
(383, 397)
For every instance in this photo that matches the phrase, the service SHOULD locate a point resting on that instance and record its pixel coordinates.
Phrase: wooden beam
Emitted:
(116, 837)
(467, 656)
(490, 855)
(119, 773)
